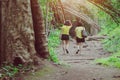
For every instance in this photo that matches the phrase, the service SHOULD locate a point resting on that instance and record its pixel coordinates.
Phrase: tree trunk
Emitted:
(46, 19)
(39, 29)
(0, 36)
(55, 10)
(62, 10)
(16, 31)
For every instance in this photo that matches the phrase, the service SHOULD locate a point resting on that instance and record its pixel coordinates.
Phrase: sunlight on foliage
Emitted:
(44, 7)
(53, 42)
(112, 31)
(113, 61)
(112, 43)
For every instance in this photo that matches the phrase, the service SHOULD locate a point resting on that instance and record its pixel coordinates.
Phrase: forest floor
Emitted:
(79, 66)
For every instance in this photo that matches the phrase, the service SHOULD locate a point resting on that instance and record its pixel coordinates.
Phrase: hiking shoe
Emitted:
(67, 51)
(77, 51)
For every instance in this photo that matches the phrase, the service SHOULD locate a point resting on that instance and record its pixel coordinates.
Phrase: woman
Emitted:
(79, 38)
(65, 35)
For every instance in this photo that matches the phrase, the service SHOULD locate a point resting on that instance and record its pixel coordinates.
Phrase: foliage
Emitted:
(111, 30)
(44, 7)
(113, 60)
(115, 4)
(112, 44)
(111, 7)
(107, 15)
(53, 42)
(11, 71)
(106, 23)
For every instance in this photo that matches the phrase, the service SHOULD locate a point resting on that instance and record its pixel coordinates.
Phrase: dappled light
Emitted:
(59, 39)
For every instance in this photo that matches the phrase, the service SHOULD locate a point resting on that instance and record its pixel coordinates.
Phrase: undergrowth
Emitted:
(10, 72)
(112, 45)
(53, 42)
(112, 42)
(113, 60)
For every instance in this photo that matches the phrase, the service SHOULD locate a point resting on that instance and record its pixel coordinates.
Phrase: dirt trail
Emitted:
(81, 66)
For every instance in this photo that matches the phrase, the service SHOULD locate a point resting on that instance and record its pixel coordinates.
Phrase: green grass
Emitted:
(113, 60)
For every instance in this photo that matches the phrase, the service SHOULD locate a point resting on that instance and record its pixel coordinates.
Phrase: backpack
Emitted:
(84, 34)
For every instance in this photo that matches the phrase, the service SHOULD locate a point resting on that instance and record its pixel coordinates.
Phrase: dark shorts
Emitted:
(64, 37)
(78, 40)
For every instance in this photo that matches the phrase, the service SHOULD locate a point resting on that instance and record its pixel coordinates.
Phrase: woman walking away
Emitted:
(79, 38)
(65, 35)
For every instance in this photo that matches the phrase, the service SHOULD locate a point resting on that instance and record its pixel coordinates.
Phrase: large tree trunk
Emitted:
(16, 31)
(0, 35)
(39, 29)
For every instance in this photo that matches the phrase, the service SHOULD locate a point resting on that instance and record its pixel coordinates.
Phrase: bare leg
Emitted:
(67, 45)
(78, 47)
(63, 45)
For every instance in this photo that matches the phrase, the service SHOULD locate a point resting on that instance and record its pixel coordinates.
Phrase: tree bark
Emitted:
(39, 29)
(17, 34)
(63, 12)
(0, 36)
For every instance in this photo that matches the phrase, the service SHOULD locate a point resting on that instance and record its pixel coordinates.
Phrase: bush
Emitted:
(53, 42)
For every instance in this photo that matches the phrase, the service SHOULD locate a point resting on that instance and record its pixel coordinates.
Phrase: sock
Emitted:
(78, 47)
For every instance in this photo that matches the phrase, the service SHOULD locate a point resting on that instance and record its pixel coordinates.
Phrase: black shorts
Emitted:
(78, 40)
(64, 37)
